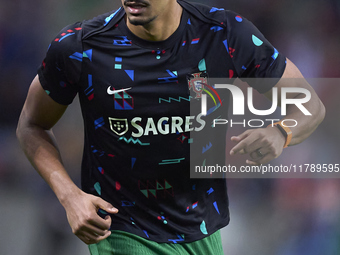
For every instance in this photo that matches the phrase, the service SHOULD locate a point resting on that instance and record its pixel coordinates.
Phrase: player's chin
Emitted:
(140, 20)
(136, 21)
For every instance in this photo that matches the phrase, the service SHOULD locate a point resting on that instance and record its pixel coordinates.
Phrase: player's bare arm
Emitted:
(40, 113)
(265, 144)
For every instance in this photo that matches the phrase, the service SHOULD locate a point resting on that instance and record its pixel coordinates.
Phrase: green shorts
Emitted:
(123, 243)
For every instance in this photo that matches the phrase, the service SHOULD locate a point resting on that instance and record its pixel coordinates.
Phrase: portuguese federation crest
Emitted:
(119, 126)
(196, 82)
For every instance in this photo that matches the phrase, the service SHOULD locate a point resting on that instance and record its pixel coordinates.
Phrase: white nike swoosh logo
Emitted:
(112, 92)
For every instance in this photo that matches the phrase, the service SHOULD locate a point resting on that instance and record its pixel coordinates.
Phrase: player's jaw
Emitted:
(139, 12)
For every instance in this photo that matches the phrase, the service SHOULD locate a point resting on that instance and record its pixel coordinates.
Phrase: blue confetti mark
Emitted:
(211, 190)
(88, 54)
(65, 36)
(99, 123)
(131, 74)
(276, 54)
(238, 18)
(146, 233)
(216, 28)
(180, 239)
(225, 42)
(206, 148)
(214, 9)
(216, 207)
(195, 41)
(133, 161)
(108, 19)
(77, 56)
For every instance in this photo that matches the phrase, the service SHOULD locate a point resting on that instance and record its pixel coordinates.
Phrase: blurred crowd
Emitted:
(268, 216)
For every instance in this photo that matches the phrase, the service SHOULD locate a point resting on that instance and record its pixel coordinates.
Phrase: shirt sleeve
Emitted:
(60, 71)
(252, 54)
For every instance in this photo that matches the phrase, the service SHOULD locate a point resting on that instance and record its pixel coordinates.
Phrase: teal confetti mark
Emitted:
(134, 141)
(180, 99)
(162, 218)
(203, 228)
(48, 92)
(132, 221)
(257, 41)
(88, 54)
(102, 211)
(213, 122)
(171, 161)
(202, 66)
(98, 188)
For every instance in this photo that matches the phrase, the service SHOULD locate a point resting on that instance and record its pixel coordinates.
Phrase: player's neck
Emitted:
(162, 27)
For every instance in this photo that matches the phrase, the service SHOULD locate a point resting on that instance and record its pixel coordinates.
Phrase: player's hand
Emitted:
(262, 145)
(86, 224)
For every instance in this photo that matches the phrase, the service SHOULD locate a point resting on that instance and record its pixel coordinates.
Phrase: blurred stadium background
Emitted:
(268, 216)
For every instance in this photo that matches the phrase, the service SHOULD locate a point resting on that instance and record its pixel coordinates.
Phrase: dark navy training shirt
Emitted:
(141, 104)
